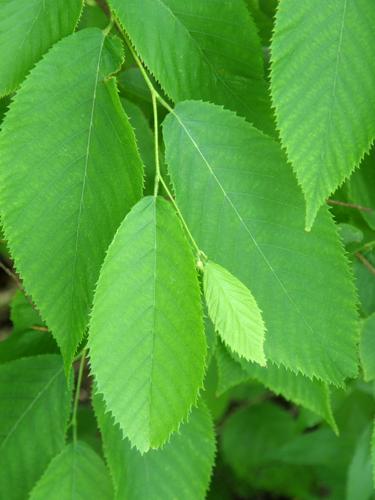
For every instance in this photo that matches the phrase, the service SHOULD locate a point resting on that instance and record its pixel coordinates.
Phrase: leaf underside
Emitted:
(326, 120)
(147, 319)
(245, 210)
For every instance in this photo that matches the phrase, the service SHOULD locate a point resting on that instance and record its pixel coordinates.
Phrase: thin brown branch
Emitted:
(18, 283)
(365, 262)
(39, 328)
(349, 205)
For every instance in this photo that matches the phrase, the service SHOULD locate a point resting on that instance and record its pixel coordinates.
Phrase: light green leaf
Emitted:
(359, 482)
(320, 51)
(367, 348)
(245, 210)
(181, 469)
(361, 188)
(311, 394)
(76, 473)
(28, 28)
(147, 320)
(33, 418)
(89, 175)
(234, 312)
(208, 50)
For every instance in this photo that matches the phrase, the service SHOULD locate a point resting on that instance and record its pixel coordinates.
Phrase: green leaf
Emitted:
(26, 343)
(244, 208)
(360, 188)
(365, 281)
(33, 418)
(22, 314)
(181, 469)
(320, 52)
(147, 320)
(367, 348)
(359, 484)
(234, 312)
(89, 175)
(311, 394)
(76, 473)
(28, 28)
(208, 50)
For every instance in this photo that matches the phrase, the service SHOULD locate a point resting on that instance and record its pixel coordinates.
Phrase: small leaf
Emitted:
(320, 51)
(76, 473)
(35, 405)
(147, 320)
(361, 188)
(181, 469)
(234, 312)
(28, 28)
(88, 176)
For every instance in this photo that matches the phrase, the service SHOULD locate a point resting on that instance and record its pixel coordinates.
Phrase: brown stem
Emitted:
(349, 205)
(39, 328)
(365, 262)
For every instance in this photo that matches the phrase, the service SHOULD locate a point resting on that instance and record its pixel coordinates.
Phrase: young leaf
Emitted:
(181, 469)
(67, 183)
(27, 30)
(33, 417)
(244, 208)
(234, 312)
(367, 348)
(320, 51)
(76, 473)
(146, 329)
(209, 50)
(311, 394)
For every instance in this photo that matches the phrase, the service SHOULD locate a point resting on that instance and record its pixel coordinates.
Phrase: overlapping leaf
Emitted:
(76, 473)
(234, 312)
(367, 348)
(311, 394)
(245, 210)
(147, 320)
(69, 172)
(320, 52)
(181, 469)
(33, 418)
(361, 188)
(27, 30)
(201, 50)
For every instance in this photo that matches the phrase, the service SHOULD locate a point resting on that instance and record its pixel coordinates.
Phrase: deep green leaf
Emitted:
(245, 210)
(181, 469)
(28, 28)
(77, 473)
(68, 121)
(201, 50)
(22, 314)
(323, 88)
(365, 280)
(359, 483)
(147, 320)
(311, 394)
(33, 418)
(367, 348)
(234, 312)
(27, 343)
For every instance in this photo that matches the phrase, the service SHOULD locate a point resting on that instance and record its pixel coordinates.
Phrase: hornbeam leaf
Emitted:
(147, 319)
(181, 469)
(70, 170)
(28, 28)
(76, 473)
(320, 51)
(234, 312)
(208, 50)
(312, 394)
(35, 405)
(244, 209)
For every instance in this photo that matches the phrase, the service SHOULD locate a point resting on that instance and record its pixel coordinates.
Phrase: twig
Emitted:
(365, 262)
(349, 205)
(40, 328)
(15, 278)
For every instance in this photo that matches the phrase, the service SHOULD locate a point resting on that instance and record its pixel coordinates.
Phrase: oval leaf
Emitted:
(234, 312)
(74, 185)
(147, 319)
